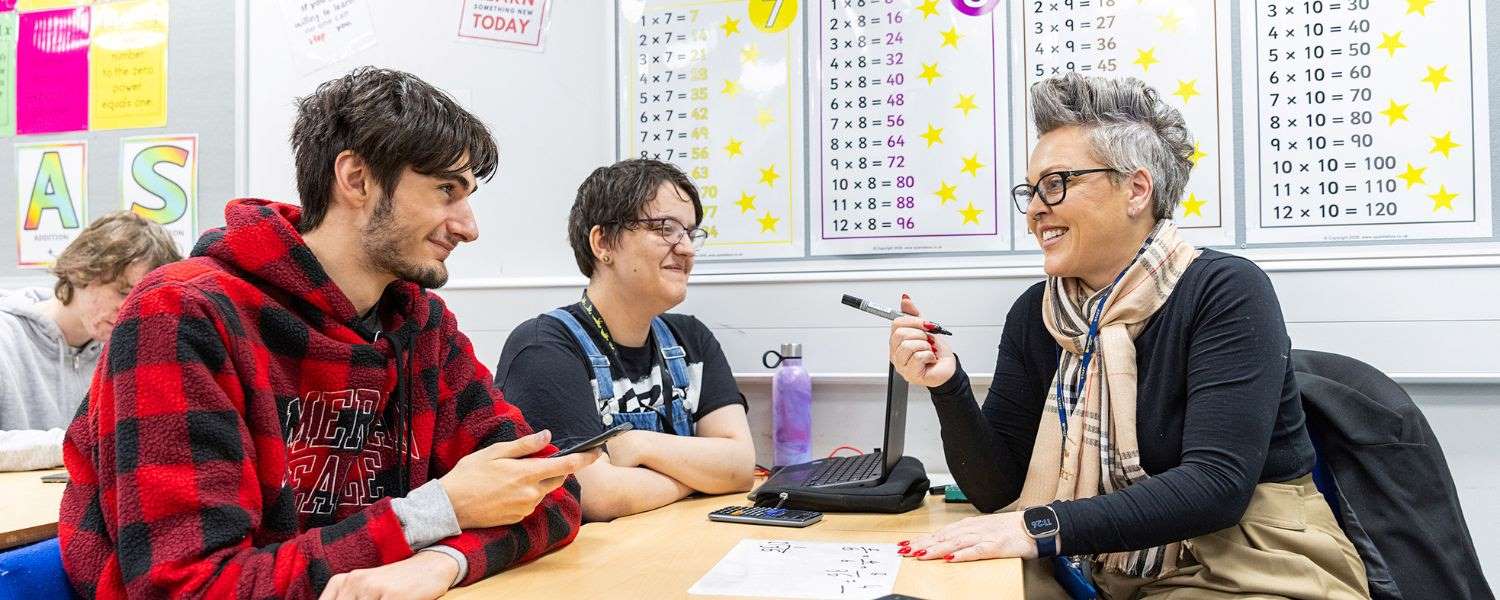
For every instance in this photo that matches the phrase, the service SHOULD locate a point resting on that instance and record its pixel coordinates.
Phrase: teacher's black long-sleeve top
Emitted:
(1217, 411)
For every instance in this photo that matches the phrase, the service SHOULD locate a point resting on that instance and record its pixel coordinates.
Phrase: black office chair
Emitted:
(1383, 472)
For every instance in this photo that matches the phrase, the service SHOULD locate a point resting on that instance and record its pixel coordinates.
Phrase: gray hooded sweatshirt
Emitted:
(42, 382)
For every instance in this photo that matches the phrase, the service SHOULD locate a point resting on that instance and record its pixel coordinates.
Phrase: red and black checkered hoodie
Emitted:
(244, 435)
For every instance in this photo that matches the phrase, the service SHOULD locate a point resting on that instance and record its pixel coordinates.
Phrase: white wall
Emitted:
(552, 114)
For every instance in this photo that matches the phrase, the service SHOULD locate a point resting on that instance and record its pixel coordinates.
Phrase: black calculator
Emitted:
(765, 515)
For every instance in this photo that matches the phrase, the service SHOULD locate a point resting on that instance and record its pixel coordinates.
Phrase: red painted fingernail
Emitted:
(948, 558)
(920, 553)
(934, 348)
(928, 325)
(904, 543)
(904, 550)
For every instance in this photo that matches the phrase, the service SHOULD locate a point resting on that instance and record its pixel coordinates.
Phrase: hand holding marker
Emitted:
(887, 313)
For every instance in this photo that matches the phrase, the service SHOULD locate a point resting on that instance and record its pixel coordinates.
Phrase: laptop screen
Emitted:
(895, 419)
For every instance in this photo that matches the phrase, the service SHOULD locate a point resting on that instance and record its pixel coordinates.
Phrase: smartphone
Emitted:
(596, 441)
(55, 478)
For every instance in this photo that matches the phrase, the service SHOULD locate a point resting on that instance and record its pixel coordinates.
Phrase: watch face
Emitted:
(1040, 521)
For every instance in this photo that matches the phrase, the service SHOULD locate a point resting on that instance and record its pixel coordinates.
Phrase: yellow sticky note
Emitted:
(128, 65)
(30, 5)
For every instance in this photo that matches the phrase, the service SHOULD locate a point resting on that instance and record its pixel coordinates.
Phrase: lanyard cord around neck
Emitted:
(1089, 344)
(669, 386)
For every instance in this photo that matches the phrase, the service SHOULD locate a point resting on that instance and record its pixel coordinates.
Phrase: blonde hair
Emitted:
(109, 246)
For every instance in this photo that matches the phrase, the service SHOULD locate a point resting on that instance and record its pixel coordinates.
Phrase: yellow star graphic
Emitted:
(1437, 76)
(1197, 155)
(930, 72)
(768, 223)
(950, 37)
(734, 147)
(1146, 58)
(1170, 21)
(934, 135)
(1443, 144)
(1442, 199)
(763, 117)
(730, 88)
(1391, 43)
(749, 53)
(1417, 6)
(1193, 206)
(746, 203)
(972, 165)
(769, 175)
(966, 103)
(946, 193)
(1395, 112)
(971, 214)
(1413, 176)
(730, 26)
(928, 9)
(1186, 89)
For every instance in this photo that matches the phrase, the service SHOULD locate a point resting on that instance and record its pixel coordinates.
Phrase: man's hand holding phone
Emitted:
(498, 485)
(596, 441)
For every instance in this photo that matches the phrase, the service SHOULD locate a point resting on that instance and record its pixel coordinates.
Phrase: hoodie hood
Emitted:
(40, 360)
(260, 240)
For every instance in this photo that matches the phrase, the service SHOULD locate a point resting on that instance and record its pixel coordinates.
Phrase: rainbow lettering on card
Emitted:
(143, 172)
(159, 181)
(50, 191)
(51, 196)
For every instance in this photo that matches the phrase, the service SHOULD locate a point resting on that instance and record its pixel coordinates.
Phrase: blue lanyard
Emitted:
(1088, 345)
(1088, 355)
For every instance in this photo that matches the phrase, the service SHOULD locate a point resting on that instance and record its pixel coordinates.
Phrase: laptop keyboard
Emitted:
(845, 469)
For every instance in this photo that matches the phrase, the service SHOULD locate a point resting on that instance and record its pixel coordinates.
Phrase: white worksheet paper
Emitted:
(788, 569)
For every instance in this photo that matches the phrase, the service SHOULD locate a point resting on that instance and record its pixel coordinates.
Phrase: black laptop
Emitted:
(856, 471)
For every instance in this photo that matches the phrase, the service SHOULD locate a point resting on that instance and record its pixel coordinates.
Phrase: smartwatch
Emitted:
(1042, 526)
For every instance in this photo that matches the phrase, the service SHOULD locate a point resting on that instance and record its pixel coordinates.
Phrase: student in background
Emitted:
(50, 340)
(1180, 466)
(634, 232)
(290, 412)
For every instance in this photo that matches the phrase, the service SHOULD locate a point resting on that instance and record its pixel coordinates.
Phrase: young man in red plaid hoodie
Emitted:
(290, 413)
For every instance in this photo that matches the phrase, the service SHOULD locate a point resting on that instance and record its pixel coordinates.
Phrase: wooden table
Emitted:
(28, 507)
(660, 554)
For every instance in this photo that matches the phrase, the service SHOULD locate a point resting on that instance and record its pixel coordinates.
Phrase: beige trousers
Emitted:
(1287, 545)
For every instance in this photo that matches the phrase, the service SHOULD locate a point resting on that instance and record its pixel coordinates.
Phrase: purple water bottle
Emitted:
(791, 405)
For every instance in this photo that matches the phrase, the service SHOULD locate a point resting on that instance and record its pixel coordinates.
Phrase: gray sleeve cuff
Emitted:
(426, 515)
(463, 561)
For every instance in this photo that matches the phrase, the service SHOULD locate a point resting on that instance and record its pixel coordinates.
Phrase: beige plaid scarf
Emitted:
(1101, 453)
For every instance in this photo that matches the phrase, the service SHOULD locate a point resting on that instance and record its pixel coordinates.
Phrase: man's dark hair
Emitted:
(618, 193)
(392, 120)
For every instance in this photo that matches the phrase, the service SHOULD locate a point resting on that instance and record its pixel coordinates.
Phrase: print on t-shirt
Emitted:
(644, 394)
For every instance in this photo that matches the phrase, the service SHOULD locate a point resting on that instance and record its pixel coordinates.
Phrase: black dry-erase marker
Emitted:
(853, 302)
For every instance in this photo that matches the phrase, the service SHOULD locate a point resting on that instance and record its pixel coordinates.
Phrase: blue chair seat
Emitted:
(34, 572)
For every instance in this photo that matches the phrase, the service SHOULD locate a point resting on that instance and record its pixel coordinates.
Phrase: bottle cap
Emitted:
(791, 351)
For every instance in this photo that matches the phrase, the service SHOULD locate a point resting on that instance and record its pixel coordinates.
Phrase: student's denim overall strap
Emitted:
(674, 355)
(603, 379)
(676, 362)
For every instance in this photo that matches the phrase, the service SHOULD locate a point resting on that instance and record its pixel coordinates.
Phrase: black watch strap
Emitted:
(1046, 547)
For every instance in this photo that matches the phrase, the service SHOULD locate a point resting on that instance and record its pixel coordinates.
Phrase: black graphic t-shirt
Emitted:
(545, 373)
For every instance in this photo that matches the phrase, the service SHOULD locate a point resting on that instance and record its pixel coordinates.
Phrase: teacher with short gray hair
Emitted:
(1143, 429)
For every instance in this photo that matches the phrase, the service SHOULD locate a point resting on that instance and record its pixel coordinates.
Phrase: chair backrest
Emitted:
(34, 572)
(1390, 486)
